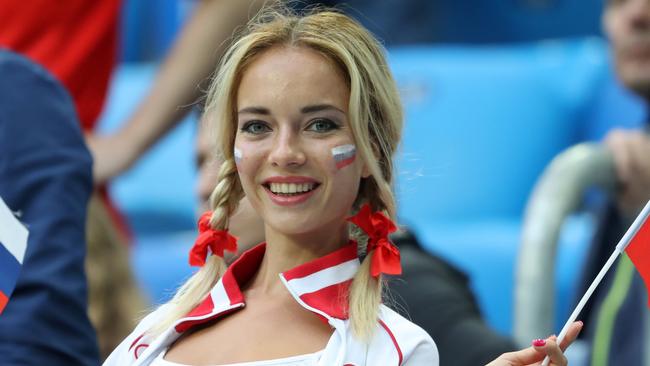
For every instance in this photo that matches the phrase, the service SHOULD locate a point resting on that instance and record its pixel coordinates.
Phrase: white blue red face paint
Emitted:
(344, 155)
(237, 155)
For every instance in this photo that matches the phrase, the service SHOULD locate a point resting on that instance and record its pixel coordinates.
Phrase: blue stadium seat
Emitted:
(481, 125)
(157, 194)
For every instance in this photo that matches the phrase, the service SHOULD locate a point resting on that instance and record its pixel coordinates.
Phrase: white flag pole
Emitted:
(585, 297)
(620, 247)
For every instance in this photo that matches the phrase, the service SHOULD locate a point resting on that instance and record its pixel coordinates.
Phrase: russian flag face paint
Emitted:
(238, 156)
(344, 155)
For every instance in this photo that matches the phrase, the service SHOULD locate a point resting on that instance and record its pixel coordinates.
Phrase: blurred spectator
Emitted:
(614, 321)
(77, 43)
(45, 174)
(193, 57)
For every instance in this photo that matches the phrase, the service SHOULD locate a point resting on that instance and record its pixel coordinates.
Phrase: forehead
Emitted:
(294, 74)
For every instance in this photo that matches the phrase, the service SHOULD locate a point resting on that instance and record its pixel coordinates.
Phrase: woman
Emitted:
(308, 118)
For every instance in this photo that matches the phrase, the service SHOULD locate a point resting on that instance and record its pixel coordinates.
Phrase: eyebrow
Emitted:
(304, 110)
(255, 110)
(319, 107)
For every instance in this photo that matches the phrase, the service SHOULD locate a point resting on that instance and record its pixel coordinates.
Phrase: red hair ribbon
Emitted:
(217, 240)
(377, 226)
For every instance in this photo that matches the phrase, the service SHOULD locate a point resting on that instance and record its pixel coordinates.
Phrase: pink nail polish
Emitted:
(539, 342)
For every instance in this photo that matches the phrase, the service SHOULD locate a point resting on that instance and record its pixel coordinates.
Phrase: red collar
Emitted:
(321, 286)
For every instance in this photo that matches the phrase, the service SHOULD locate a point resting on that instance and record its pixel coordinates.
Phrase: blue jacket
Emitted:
(45, 174)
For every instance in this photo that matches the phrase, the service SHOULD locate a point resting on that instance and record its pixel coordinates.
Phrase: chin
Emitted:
(634, 74)
(292, 224)
(640, 85)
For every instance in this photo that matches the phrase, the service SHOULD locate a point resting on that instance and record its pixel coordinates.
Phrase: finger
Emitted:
(639, 162)
(552, 350)
(616, 142)
(636, 189)
(525, 356)
(571, 335)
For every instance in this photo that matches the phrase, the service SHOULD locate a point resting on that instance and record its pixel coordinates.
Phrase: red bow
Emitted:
(217, 240)
(386, 258)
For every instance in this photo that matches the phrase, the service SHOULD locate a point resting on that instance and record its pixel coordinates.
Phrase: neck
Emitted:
(287, 251)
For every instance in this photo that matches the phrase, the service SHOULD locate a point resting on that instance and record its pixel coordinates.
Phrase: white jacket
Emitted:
(315, 286)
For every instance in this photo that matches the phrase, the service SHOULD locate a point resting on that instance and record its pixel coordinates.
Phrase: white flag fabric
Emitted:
(13, 244)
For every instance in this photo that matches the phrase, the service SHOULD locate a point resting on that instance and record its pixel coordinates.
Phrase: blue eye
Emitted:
(255, 127)
(322, 125)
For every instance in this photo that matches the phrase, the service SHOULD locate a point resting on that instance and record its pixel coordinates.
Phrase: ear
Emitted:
(365, 171)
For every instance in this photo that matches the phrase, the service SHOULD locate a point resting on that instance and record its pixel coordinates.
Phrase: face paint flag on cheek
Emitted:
(237, 154)
(344, 155)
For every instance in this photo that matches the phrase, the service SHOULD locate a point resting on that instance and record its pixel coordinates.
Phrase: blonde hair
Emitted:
(375, 116)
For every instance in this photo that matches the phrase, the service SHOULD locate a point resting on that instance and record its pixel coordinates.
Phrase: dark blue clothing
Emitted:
(435, 295)
(45, 174)
(629, 337)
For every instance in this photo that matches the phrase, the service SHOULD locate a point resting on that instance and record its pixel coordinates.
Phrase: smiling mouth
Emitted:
(290, 189)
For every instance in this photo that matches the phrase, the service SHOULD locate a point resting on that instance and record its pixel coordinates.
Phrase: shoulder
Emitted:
(40, 121)
(40, 91)
(412, 344)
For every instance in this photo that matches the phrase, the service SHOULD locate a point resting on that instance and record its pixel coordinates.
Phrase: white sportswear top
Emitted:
(310, 359)
(320, 286)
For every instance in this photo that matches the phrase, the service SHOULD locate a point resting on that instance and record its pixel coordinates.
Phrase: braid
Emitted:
(226, 195)
(224, 199)
(365, 298)
(366, 292)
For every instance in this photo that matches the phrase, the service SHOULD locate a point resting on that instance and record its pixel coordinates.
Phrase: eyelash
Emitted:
(246, 127)
(331, 125)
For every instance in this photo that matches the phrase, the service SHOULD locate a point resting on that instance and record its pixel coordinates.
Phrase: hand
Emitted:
(631, 150)
(541, 348)
(112, 156)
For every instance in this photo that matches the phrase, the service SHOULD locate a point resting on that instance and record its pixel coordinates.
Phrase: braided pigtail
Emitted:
(365, 298)
(224, 200)
(366, 292)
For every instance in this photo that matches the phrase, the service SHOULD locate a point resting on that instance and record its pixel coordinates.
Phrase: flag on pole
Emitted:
(13, 243)
(636, 243)
(638, 249)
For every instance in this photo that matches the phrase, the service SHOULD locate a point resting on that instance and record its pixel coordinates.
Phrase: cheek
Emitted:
(238, 156)
(247, 159)
(344, 168)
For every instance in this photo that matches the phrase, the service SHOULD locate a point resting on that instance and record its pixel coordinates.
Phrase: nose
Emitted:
(639, 13)
(287, 149)
(206, 181)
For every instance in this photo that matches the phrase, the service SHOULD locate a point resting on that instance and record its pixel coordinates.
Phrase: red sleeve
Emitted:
(76, 41)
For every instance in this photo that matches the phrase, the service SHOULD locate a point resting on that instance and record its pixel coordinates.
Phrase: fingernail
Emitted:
(539, 342)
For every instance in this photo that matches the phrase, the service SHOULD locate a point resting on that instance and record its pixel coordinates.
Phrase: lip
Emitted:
(289, 200)
(290, 179)
(293, 199)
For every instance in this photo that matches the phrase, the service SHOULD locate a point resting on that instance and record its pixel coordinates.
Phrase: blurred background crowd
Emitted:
(513, 164)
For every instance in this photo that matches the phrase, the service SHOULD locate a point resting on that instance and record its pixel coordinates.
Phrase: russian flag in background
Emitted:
(638, 249)
(13, 243)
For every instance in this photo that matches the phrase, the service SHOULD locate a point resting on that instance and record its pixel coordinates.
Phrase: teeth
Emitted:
(288, 188)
